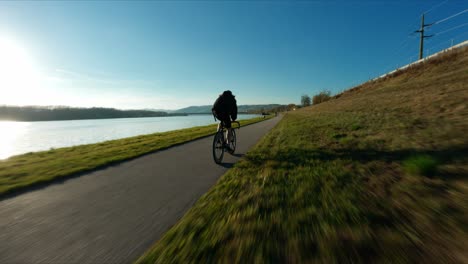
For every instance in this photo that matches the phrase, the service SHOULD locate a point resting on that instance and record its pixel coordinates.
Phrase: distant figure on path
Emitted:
(225, 110)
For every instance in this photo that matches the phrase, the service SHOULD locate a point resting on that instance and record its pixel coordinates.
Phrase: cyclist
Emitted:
(225, 110)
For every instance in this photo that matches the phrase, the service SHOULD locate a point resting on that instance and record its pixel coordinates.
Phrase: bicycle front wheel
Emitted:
(218, 148)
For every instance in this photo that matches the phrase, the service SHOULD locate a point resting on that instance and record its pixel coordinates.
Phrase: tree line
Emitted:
(323, 96)
(35, 113)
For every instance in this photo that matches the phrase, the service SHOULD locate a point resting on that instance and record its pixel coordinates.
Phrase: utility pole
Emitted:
(422, 37)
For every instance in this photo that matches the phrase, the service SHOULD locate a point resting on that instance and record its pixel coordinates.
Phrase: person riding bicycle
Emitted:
(225, 110)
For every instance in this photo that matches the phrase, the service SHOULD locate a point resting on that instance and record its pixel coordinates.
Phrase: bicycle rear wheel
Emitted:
(232, 142)
(218, 148)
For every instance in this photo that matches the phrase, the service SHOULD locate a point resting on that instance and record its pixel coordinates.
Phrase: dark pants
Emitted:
(225, 120)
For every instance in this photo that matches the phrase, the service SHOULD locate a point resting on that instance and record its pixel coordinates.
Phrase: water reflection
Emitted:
(22, 137)
(10, 134)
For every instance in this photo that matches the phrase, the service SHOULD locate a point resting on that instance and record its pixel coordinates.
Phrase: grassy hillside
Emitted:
(378, 174)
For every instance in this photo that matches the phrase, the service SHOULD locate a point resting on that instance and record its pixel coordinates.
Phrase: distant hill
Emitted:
(42, 113)
(159, 110)
(206, 109)
(50, 113)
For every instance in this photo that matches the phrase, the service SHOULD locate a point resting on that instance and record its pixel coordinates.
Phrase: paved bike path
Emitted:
(113, 215)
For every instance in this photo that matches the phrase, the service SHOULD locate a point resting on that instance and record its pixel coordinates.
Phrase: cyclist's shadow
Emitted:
(229, 165)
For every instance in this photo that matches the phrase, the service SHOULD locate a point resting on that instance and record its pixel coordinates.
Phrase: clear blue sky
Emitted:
(175, 54)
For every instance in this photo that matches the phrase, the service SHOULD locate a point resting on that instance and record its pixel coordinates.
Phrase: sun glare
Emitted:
(19, 78)
(9, 136)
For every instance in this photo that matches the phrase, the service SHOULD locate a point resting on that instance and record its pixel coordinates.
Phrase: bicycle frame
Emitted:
(219, 141)
(221, 127)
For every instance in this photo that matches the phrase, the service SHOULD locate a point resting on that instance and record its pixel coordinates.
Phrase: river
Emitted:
(23, 137)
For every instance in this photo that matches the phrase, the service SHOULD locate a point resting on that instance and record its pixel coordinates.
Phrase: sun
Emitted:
(19, 78)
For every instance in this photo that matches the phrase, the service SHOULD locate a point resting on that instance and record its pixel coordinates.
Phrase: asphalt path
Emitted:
(115, 214)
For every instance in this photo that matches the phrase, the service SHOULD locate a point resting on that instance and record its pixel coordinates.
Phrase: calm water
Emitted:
(22, 137)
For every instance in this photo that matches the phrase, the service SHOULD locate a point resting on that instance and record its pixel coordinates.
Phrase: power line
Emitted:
(435, 7)
(426, 27)
(400, 53)
(450, 17)
(450, 29)
(460, 35)
(423, 27)
(403, 44)
(445, 42)
(448, 42)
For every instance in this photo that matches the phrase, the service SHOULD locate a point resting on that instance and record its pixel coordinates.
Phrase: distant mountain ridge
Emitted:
(51, 113)
(206, 109)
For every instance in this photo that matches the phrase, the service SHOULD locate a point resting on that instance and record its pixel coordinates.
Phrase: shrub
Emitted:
(356, 126)
(321, 97)
(421, 165)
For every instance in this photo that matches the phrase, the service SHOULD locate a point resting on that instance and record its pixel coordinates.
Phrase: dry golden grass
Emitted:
(377, 174)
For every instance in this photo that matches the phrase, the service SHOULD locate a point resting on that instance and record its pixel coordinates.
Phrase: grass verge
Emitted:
(330, 183)
(34, 168)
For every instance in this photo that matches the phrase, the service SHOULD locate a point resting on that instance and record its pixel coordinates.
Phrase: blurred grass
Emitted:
(33, 168)
(330, 183)
(423, 165)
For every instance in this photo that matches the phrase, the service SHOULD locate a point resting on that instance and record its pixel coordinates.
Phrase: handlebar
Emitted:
(238, 124)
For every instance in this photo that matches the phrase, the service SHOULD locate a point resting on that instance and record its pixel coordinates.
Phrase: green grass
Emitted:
(33, 168)
(329, 184)
(422, 165)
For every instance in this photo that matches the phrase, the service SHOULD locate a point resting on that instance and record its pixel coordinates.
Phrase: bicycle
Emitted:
(219, 142)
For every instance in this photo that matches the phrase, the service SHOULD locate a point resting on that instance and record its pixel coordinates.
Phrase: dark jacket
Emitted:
(225, 105)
